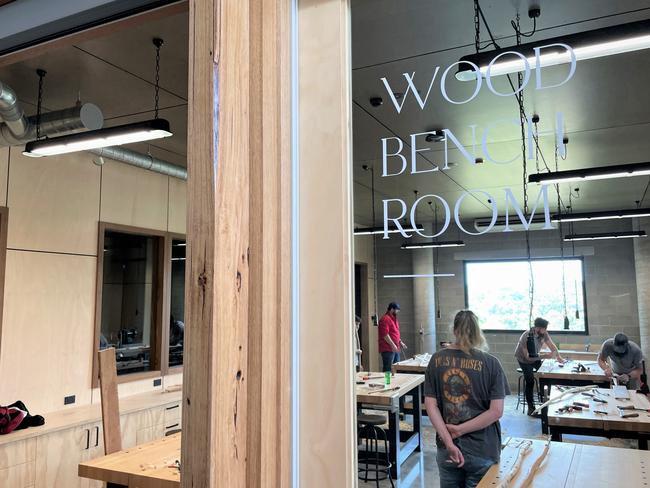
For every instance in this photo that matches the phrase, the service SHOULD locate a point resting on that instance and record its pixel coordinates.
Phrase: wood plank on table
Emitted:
(144, 466)
(406, 383)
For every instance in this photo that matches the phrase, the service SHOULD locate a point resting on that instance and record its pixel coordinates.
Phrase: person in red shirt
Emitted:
(390, 342)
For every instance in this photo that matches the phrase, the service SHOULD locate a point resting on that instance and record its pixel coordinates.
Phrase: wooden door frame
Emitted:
(365, 315)
(268, 382)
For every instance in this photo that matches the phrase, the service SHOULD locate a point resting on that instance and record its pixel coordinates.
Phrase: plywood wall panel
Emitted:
(54, 203)
(47, 329)
(177, 205)
(134, 196)
(4, 169)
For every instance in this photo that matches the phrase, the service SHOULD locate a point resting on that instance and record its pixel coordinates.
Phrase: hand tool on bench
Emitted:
(632, 407)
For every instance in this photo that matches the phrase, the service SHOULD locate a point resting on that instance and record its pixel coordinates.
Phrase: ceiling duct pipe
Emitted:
(11, 111)
(140, 160)
(86, 116)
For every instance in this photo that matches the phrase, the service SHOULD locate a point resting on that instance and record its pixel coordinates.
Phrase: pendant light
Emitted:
(606, 41)
(155, 128)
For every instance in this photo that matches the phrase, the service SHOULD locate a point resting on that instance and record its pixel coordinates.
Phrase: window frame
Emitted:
(170, 238)
(584, 332)
(161, 304)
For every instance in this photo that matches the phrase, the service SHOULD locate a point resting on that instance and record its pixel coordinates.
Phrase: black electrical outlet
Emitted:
(157, 382)
(69, 400)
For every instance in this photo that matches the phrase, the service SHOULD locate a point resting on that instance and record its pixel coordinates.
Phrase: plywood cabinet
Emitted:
(57, 457)
(17, 464)
(51, 459)
(149, 425)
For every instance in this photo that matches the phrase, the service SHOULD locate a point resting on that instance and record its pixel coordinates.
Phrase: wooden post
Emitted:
(236, 379)
(327, 421)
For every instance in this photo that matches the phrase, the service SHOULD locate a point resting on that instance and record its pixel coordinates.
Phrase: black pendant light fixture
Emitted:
(602, 215)
(147, 130)
(594, 173)
(607, 41)
(595, 236)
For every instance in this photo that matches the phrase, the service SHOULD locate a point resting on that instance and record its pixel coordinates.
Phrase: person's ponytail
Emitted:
(467, 331)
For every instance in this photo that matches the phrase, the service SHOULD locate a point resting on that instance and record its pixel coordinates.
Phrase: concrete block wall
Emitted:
(392, 260)
(610, 280)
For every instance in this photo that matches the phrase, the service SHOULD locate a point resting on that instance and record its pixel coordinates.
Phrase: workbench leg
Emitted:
(643, 444)
(545, 420)
(417, 417)
(394, 443)
(556, 436)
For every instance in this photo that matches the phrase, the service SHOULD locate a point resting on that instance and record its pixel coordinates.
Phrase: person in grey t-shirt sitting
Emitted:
(626, 358)
(464, 390)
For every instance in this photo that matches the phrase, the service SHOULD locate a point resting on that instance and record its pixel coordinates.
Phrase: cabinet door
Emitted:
(95, 450)
(58, 455)
(148, 434)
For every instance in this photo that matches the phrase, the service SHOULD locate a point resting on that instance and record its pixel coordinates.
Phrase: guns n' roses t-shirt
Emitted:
(463, 385)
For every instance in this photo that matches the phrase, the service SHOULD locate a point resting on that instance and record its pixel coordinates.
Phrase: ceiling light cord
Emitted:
(561, 234)
(515, 26)
(522, 123)
(157, 42)
(39, 107)
(518, 96)
(478, 11)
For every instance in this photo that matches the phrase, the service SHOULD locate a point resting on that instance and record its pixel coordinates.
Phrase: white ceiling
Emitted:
(117, 73)
(605, 104)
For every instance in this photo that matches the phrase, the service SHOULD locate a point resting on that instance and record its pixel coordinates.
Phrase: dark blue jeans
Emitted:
(469, 476)
(388, 359)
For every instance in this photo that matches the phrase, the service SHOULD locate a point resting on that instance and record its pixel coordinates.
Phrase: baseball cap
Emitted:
(620, 343)
(393, 305)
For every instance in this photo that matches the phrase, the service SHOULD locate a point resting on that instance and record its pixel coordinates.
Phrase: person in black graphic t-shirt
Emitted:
(464, 392)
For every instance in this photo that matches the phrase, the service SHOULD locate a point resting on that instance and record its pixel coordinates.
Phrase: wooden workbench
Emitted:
(412, 365)
(574, 466)
(401, 444)
(551, 373)
(385, 395)
(587, 422)
(145, 466)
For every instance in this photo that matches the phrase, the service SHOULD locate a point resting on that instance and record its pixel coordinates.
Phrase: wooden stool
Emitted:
(375, 463)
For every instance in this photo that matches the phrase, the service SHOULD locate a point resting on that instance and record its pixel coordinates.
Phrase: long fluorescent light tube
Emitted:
(380, 230)
(605, 235)
(597, 173)
(604, 215)
(597, 43)
(441, 275)
(93, 139)
(425, 245)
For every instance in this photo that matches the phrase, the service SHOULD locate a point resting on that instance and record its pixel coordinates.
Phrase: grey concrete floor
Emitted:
(421, 471)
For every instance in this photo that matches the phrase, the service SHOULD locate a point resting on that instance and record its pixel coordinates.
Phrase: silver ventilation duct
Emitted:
(11, 112)
(82, 116)
(140, 160)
